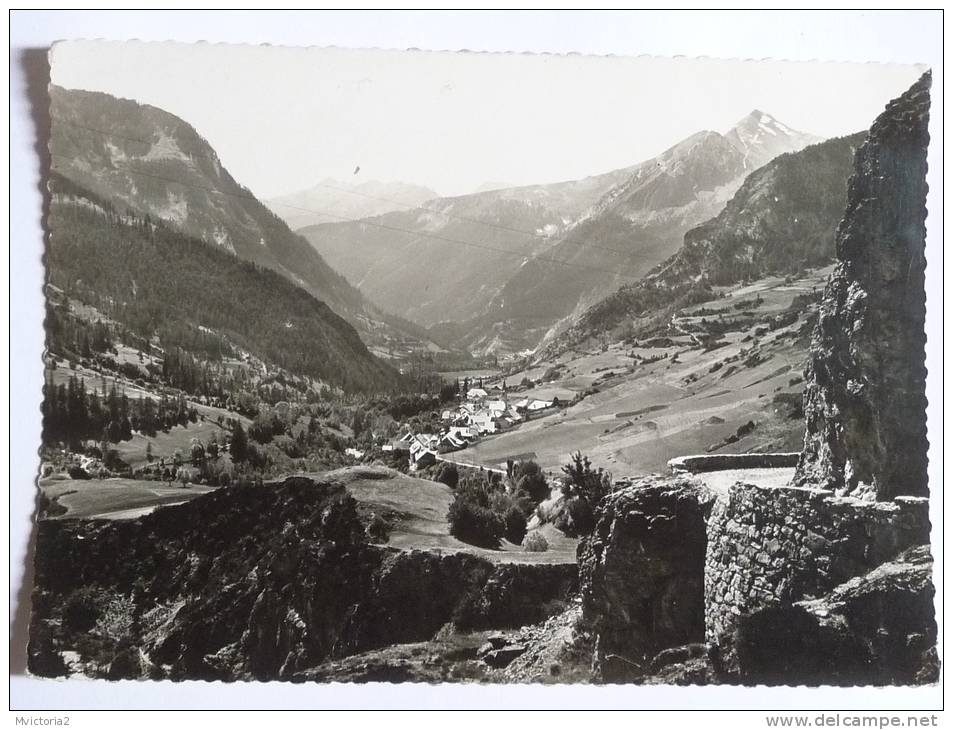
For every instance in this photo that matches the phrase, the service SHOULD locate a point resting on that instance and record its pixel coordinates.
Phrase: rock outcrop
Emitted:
(258, 583)
(642, 574)
(865, 402)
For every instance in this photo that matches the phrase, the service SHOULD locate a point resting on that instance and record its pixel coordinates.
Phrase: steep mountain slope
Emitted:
(781, 221)
(155, 164)
(151, 161)
(641, 222)
(330, 200)
(454, 254)
(150, 278)
(496, 270)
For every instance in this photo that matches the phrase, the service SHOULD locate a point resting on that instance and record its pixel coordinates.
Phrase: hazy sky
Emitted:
(281, 119)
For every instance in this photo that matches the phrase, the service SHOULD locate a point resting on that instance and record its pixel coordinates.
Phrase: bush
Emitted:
(113, 462)
(536, 543)
(78, 472)
(576, 518)
(529, 478)
(378, 530)
(474, 522)
(583, 489)
(447, 474)
(514, 525)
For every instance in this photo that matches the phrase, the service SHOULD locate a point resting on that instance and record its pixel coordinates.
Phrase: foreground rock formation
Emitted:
(258, 583)
(817, 582)
(878, 628)
(865, 402)
(642, 574)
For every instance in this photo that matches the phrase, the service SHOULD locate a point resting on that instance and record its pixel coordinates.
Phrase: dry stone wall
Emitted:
(775, 546)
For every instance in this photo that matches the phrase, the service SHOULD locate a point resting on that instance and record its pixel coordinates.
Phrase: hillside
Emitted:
(781, 221)
(259, 583)
(722, 377)
(503, 266)
(152, 163)
(150, 278)
(330, 200)
(453, 253)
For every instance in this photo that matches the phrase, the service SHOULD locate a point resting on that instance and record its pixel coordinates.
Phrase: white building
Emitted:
(496, 407)
(476, 395)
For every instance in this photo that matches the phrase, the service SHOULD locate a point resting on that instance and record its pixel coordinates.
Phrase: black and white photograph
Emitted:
(409, 366)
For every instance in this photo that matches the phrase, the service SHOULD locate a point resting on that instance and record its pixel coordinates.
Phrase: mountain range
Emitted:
(151, 279)
(151, 162)
(496, 271)
(781, 220)
(332, 200)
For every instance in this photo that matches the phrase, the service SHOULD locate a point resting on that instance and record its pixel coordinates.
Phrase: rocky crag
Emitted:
(866, 400)
(257, 583)
(816, 582)
(643, 573)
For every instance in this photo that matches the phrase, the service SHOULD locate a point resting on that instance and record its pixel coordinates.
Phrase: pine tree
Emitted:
(238, 448)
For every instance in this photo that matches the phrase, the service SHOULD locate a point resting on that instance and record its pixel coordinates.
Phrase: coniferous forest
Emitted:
(153, 280)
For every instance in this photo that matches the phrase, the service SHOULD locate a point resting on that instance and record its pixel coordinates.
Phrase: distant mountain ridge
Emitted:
(154, 163)
(330, 200)
(781, 220)
(495, 271)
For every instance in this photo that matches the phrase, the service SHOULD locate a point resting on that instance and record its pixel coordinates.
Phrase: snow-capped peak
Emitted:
(761, 137)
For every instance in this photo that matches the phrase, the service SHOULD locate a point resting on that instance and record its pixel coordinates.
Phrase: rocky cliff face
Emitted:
(642, 574)
(865, 402)
(257, 583)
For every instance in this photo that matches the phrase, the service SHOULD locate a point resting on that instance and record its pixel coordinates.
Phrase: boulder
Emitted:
(641, 573)
(499, 658)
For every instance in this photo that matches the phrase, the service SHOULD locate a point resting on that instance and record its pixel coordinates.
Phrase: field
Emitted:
(420, 508)
(114, 499)
(656, 403)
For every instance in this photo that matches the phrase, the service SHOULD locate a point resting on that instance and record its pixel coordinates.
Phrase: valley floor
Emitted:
(655, 403)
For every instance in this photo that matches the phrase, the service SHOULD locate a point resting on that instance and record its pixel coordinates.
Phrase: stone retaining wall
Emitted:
(771, 546)
(719, 462)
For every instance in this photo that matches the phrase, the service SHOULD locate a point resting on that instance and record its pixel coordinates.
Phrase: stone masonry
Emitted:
(776, 546)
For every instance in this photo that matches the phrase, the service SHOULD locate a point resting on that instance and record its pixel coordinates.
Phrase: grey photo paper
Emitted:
(407, 366)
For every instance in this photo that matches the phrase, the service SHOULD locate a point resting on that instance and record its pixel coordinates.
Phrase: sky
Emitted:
(282, 119)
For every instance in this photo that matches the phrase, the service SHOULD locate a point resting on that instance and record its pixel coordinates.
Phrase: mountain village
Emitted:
(482, 411)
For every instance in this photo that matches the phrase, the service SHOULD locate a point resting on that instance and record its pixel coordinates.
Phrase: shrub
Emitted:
(536, 543)
(576, 517)
(113, 462)
(378, 530)
(514, 525)
(529, 478)
(78, 472)
(470, 612)
(447, 474)
(474, 522)
(583, 489)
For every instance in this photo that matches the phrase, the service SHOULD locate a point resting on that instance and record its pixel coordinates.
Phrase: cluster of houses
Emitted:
(477, 415)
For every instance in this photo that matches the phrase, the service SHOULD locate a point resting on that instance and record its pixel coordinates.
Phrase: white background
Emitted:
(909, 37)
